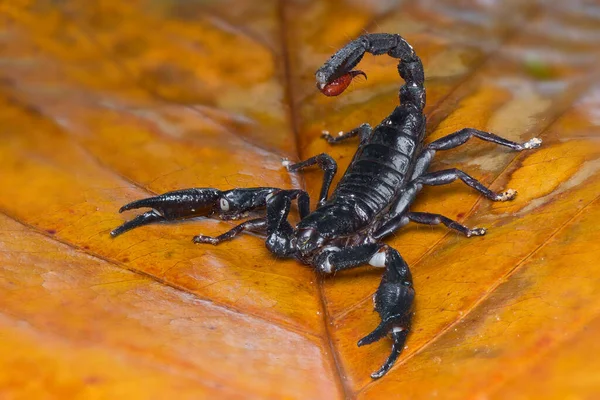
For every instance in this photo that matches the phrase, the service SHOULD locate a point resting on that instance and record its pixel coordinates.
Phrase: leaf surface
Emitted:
(102, 103)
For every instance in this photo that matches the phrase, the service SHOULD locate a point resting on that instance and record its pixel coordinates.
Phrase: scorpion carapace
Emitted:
(371, 201)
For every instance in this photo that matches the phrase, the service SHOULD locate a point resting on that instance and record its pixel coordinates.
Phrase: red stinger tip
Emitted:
(337, 86)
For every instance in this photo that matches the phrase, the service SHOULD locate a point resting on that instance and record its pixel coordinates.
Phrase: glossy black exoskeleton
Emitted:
(371, 201)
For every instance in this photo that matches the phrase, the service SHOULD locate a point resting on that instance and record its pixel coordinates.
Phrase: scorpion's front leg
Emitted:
(363, 132)
(198, 202)
(253, 225)
(326, 163)
(280, 233)
(393, 299)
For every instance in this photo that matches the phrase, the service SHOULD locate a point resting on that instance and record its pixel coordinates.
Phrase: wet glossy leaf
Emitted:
(105, 102)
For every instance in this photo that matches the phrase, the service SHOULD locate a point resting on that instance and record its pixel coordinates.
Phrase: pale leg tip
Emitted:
(507, 195)
(532, 143)
(286, 163)
(477, 232)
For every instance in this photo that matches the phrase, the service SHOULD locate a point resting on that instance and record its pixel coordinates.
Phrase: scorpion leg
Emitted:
(436, 219)
(461, 137)
(393, 298)
(390, 226)
(450, 175)
(458, 138)
(199, 202)
(363, 132)
(398, 221)
(326, 163)
(256, 225)
(279, 231)
(278, 207)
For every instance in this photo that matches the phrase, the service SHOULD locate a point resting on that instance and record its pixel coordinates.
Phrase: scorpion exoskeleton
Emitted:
(371, 201)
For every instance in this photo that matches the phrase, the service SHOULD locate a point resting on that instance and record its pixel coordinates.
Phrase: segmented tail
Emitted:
(335, 75)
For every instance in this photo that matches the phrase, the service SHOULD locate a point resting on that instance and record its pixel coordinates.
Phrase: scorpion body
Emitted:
(371, 201)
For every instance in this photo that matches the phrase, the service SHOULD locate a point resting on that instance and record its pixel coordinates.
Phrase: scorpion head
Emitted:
(308, 240)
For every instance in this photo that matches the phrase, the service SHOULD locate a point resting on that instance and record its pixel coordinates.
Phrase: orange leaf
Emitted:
(105, 102)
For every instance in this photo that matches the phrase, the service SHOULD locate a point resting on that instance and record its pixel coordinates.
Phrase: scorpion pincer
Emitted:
(371, 201)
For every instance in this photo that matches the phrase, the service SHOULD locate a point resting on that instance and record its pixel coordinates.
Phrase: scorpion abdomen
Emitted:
(384, 162)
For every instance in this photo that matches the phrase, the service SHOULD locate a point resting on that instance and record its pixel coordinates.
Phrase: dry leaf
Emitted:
(105, 102)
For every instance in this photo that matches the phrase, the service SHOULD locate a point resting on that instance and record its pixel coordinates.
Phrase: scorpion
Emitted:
(371, 201)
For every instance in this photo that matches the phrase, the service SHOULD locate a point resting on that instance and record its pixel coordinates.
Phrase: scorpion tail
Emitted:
(335, 75)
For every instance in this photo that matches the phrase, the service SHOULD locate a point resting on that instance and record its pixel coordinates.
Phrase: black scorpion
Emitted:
(370, 202)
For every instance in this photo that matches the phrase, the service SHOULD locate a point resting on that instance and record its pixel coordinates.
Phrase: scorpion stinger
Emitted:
(371, 201)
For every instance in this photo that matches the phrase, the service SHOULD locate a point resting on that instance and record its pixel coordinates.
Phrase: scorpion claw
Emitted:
(374, 336)
(399, 337)
(148, 202)
(142, 219)
(198, 202)
(170, 206)
(393, 302)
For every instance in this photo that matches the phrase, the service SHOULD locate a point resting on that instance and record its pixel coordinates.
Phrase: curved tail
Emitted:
(335, 75)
